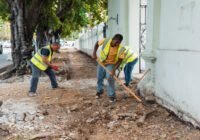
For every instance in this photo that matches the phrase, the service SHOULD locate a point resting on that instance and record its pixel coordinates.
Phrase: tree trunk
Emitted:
(25, 17)
(20, 37)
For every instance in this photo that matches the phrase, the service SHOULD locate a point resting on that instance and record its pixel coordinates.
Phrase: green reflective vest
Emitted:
(37, 59)
(104, 51)
(130, 56)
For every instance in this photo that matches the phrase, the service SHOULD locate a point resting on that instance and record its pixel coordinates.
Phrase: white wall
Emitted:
(173, 38)
(128, 22)
(118, 7)
(134, 28)
(127, 25)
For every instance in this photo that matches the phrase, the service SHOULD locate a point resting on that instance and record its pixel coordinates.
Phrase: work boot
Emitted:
(32, 94)
(58, 87)
(98, 95)
(126, 84)
(112, 99)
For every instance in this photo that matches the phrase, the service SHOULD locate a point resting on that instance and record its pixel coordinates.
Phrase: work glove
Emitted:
(55, 68)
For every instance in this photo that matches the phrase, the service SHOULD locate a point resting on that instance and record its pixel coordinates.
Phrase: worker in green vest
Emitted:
(128, 63)
(41, 61)
(111, 55)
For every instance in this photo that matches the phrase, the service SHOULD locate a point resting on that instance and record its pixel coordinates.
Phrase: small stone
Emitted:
(46, 126)
(112, 124)
(67, 110)
(150, 99)
(12, 118)
(115, 117)
(91, 120)
(41, 117)
(104, 111)
(74, 108)
(45, 113)
(88, 102)
(20, 117)
(163, 136)
(126, 126)
(29, 118)
(32, 112)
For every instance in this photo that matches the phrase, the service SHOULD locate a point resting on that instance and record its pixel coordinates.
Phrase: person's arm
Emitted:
(45, 53)
(116, 66)
(45, 60)
(95, 50)
(98, 43)
(120, 59)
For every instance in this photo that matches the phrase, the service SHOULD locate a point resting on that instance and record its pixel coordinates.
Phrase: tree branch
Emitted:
(65, 9)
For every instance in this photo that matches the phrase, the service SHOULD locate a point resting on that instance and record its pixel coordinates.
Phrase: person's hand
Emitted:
(112, 73)
(94, 56)
(55, 68)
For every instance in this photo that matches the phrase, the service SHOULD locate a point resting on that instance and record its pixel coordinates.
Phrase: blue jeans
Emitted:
(128, 71)
(35, 77)
(101, 74)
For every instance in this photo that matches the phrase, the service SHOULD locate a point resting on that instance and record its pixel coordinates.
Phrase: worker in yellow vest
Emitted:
(41, 61)
(111, 55)
(128, 64)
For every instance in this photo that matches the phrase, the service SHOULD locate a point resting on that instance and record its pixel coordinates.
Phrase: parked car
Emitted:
(6, 44)
(1, 49)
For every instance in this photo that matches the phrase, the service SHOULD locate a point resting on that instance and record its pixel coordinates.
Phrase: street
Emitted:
(5, 58)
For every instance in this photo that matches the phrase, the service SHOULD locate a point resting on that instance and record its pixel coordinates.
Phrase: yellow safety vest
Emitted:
(37, 59)
(129, 57)
(105, 50)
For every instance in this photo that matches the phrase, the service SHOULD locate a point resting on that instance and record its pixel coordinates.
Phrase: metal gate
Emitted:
(142, 45)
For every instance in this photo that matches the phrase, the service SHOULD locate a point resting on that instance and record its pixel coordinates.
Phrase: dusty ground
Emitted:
(73, 113)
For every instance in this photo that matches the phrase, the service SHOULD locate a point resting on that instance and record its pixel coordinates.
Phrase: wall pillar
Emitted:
(134, 27)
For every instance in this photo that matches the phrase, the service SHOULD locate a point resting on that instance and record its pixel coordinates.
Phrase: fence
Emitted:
(89, 38)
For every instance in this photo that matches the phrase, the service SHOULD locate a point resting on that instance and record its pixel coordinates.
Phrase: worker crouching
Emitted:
(41, 61)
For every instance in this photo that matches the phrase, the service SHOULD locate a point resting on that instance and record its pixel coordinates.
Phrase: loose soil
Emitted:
(73, 113)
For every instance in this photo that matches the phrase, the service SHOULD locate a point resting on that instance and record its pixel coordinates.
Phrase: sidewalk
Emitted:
(73, 112)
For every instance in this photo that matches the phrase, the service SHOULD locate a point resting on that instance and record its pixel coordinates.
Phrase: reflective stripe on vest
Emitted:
(105, 50)
(129, 57)
(37, 59)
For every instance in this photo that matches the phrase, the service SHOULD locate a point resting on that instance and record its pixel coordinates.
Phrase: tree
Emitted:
(61, 16)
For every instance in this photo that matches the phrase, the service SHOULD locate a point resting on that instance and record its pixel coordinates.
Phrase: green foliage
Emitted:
(81, 13)
(85, 13)
(68, 15)
(4, 30)
(4, 10)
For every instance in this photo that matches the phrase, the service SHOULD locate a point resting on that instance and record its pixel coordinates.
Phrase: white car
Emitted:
(6, 44)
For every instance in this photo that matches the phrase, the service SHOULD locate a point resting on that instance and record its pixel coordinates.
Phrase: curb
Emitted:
(3, 69)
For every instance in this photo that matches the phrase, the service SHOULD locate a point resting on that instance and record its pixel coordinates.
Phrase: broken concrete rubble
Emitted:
(74, 113)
